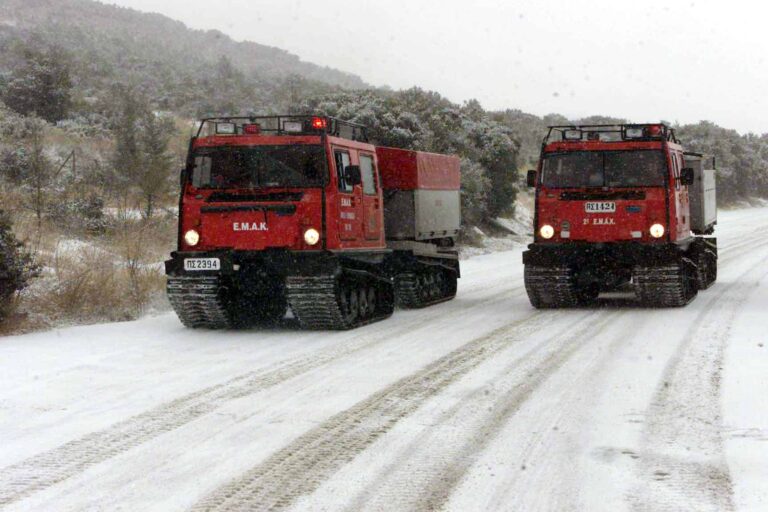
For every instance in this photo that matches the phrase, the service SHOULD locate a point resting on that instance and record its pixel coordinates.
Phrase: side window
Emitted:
(675, 170)
(201, 174)
(368, 174)
(342, 162)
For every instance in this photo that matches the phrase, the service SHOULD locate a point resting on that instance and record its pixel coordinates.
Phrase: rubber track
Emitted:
(407, 292)
(663, 286)
(197, 302)
(705, 276)
(315, 303)
(550, 287)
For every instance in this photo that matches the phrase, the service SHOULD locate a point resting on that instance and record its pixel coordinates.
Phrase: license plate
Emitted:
(202, 264)
(600, 207)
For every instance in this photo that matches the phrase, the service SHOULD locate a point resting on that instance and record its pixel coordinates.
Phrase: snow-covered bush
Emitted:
(17, 266)
(79, 215)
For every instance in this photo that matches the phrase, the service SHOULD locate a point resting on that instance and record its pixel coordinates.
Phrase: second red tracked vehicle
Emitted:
(615, 205)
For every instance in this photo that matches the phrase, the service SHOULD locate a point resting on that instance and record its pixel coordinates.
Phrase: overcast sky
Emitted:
(677, 60)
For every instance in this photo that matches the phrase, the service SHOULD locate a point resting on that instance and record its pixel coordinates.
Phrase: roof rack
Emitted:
(282, 125)
(611, 132)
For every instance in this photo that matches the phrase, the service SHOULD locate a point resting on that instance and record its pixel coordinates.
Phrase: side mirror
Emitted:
(530, 179)
(352, 175)
(687, 176)
(182, 177)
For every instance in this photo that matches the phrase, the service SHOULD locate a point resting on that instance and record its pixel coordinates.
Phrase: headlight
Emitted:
(547, 231)
(657, 231)
(192, 237)
(311, 236)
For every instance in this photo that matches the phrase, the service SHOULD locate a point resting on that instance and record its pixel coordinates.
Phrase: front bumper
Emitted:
(273, 263)
(617, 254)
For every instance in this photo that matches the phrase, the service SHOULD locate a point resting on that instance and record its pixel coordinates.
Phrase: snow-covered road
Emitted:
(482, 403)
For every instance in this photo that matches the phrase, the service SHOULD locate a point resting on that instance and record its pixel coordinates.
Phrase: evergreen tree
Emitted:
(127, 158)
(16, 265)
(40, 85)
(156, 161)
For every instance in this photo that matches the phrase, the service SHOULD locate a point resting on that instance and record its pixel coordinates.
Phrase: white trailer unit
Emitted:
(702, 195)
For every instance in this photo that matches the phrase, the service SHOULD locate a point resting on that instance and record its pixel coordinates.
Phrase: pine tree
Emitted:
(126, 159)
(17, 266)
(40, 85)
(156, 161)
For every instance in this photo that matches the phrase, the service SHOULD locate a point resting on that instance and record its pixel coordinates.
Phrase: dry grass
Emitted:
(112, 277)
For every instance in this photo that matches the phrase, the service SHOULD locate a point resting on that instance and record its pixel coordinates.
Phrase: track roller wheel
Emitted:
(339, 302)
(424, 287)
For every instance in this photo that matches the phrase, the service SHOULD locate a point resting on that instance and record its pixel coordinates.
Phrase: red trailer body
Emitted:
(422, 194)
(281, 211)
(402, 169)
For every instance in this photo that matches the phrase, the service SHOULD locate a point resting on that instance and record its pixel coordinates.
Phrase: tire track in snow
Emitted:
(732, 252)
(682, 463)
(58, 464)
(302, 466)
(424, 476)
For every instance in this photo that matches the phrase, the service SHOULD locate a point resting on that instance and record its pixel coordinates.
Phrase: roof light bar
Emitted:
(293, 126)
(610, 132)
(319, 123)
(572, 134)
(226, 128)
(654, 130)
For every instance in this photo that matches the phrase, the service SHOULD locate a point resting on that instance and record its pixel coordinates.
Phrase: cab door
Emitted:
(682, 200)
(372, 211)
(350, 205)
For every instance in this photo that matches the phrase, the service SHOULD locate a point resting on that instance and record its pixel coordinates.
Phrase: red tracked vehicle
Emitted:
(303, 212)
(618, 204)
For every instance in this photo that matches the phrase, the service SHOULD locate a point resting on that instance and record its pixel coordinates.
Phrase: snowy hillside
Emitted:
(481, 403)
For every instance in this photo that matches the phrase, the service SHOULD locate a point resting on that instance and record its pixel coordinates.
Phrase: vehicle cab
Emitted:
(602, 184)
(612, 206)
(297, 183)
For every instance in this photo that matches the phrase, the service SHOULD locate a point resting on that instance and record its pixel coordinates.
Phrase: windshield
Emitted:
(259, 167)
(578, 169)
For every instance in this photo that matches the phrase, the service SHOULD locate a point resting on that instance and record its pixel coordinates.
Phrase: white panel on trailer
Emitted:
(438, 214)
(421, 214)
(703, 196)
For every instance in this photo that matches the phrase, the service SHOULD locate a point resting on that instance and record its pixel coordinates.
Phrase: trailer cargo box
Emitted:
(421, 194)
(702, 195)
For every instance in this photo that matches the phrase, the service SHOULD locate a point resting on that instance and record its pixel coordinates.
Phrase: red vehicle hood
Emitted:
(590, 215)
(254, 223)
